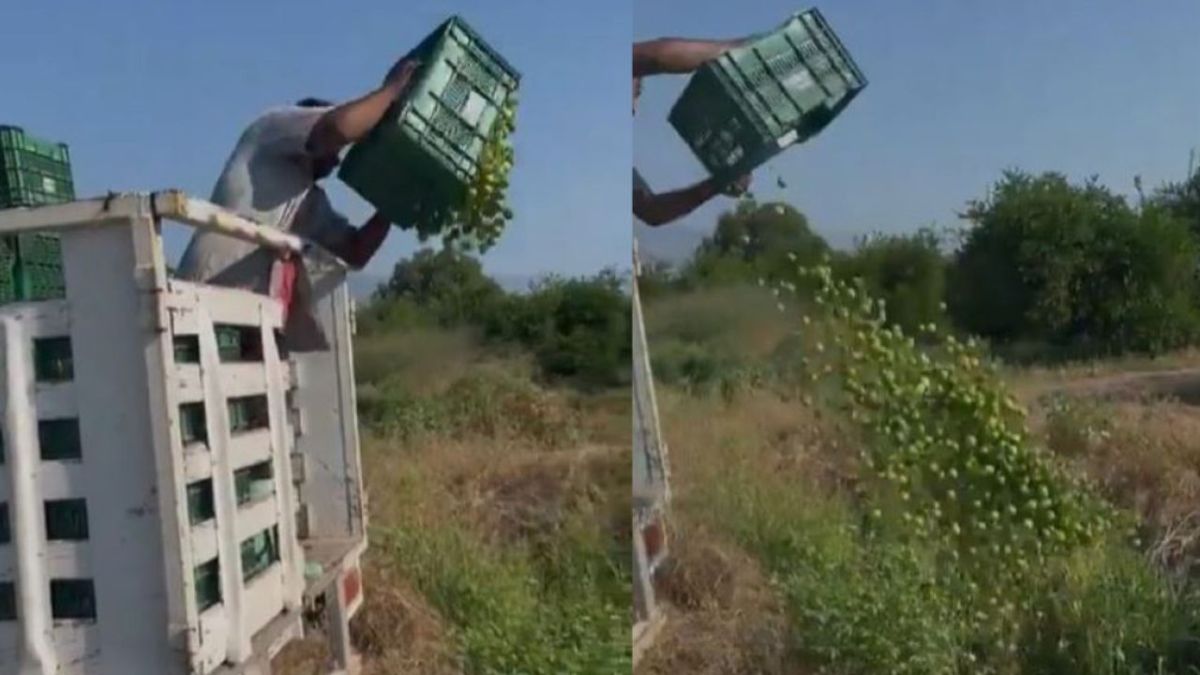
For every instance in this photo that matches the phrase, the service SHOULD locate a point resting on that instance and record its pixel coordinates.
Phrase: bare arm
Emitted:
(662, 208)
(365, 243)
(350, 122)
(676, 55)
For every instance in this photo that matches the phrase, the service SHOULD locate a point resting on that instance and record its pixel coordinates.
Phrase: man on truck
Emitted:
(675, 55)
(271, 178)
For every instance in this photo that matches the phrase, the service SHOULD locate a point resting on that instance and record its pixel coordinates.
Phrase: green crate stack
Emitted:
(421, 158)
(744, 107)
(33, 172)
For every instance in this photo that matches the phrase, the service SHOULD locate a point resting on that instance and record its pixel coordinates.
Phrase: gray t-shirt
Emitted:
(268, 179)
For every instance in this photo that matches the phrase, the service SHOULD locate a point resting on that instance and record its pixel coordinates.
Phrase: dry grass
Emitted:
(506, 484)
(1144, 455)
(724, 617)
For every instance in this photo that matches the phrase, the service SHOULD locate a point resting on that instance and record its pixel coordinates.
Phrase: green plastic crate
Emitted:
(421, 158)
(744, 107)
(31, 268)
(33, 172)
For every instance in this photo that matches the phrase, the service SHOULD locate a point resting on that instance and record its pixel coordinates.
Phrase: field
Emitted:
(784, 563)
(499, 515)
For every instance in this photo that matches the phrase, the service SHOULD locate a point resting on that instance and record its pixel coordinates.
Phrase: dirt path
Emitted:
(1182, 384)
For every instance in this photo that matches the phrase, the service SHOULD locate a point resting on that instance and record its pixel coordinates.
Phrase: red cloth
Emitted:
(283, 285)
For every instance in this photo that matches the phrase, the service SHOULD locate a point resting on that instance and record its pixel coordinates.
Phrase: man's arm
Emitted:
(351, 122)
(365, 242)
(656, 209)
(660, 209)
(676, 55)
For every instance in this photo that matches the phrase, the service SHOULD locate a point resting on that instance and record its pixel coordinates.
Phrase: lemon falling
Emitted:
(485, 212)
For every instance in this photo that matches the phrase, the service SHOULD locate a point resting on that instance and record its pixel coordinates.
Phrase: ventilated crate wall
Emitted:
(236, 443)
(744, 107)
(75, 508)
(421, 157)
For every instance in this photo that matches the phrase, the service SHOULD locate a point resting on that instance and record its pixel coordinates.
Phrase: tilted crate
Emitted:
(425, 152)
(746, 106)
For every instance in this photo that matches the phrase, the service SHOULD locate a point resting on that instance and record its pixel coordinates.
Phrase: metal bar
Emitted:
(238, 648)
(177, 206)
(37, 656)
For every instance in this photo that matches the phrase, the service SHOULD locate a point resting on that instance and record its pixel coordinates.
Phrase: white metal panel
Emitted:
(56, 401)
(121, 316)
(213, 633)
(325, 396)
(10, 636)
(264, 594)
(282, 438)
(204, 542)
(78, 646)
(109, 345)
(255, 517)
(198, 464)
(69, 560)
(243, 379)
(36, 654)
(187, 383)
(223, 306)
(238, 647)
(249, 448)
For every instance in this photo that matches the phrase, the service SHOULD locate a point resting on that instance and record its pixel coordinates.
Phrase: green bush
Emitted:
(512, 616)
(1052, 262)
(448, 286)
(906, 271)
(753, 242)
(578, 329)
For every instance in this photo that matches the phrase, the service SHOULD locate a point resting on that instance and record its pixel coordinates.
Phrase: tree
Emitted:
(907, 271)
(577, 328)
(448, 285)
(1073, 265)
(756, 241)
(1182, 200)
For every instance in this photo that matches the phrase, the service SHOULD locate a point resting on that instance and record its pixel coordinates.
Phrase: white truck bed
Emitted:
(220, 496)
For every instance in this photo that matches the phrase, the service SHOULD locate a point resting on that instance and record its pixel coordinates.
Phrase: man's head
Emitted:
(322, 167)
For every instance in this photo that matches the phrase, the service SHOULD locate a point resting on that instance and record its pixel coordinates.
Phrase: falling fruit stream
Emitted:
(480, 219)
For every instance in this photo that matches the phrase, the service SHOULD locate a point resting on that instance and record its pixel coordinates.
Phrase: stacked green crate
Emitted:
(33, 172)
(419, 161)
(747, 105)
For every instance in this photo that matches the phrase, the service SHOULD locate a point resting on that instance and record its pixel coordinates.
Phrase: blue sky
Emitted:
(152, 94)
(958, 91)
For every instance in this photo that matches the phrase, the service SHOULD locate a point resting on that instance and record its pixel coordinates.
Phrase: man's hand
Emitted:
(400, 74)
(738, 187)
